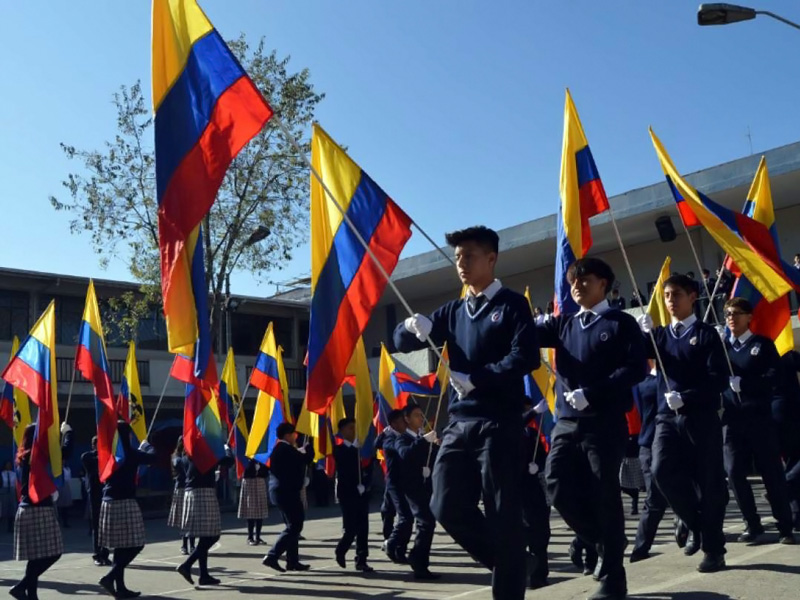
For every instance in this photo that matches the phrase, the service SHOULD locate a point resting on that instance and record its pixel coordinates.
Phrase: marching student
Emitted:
(687, 447)
(37, 536)
(388, 512)
(175, 518)
(786, 414)
(413, 449)
(121, 524)
(253, 502)
(201, 516)
(535, 510)
(353, 482)
(493, 346)
(749, 431)
(287, 465)
(600, 356)
(94, 489)
(400, 533)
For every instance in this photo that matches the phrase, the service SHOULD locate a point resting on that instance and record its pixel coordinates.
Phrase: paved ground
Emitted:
(764, 572)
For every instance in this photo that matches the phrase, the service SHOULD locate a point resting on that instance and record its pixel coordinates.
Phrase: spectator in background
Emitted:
(698, 312)
(538, 315)
(635, 300)
(8, 495)
(548, 311)
(796, 265)
(726, 281)
(706, 288)
(616, 301)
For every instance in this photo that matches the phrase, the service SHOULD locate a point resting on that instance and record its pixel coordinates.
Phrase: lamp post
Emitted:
(725, 14)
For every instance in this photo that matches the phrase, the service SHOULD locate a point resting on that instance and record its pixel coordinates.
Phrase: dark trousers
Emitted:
(387, 514)
(583, 481)
(789, 443)
(536, 514)
(689, 470)
(746, 441)
(403, 522)
(419, 502)
(200, 554)
(294, 516)
(355, 526)
(254, 529)
(94, 513)
(482, 459)
(122, 558)
(655, 505)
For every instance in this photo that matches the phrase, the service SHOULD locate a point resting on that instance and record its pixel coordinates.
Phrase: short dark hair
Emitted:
(483, 236)
(395, 415)
(284, 429)
(690, 274)
(410, 408)
(591, 266)
(740, 303)
(683, 282)
(345, 422)
(706, 272)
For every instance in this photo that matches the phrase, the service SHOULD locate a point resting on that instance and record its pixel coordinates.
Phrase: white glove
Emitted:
(356, 444)
(306, 481)
(144, 446)
(302, 450)
(54, 496)
(65, 428)
(361, 489)
(577, 400)
(461, 383)
(674, 400)
(736, 383)
(533, 468)
(541, 407)
(721, 331)
(227, 448)
(430, 437)
(419, 325)
(426, 472)
(645, 323)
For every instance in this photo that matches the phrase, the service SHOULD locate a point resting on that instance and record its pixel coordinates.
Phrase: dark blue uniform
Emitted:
(535, 510)
(494, 343)
(400, 533)
(687, 448)
(750, 433)
(604, 355)
(355, 505)
(786, 413)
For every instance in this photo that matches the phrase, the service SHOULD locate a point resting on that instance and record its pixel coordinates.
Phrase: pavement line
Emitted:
(468, 593)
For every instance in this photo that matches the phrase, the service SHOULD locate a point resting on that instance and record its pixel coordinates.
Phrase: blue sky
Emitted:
(454, 106)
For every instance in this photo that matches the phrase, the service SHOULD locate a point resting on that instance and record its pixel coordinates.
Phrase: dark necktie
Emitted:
(737, 344)
(678, 328)
(476, 302)
(588, 317)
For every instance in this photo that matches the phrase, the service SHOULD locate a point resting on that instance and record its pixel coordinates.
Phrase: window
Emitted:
(247, 331)
(69, 314)
(14, 315)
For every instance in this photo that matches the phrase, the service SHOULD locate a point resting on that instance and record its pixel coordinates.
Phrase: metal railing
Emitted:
(65, 365)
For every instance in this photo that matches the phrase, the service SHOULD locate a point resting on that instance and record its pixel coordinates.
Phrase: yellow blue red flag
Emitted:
(16, 401)
(229, 395)
(657, 308)
(269, 404)
(129, 399)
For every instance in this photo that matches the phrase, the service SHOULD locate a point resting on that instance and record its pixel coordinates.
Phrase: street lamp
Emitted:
(724, 14)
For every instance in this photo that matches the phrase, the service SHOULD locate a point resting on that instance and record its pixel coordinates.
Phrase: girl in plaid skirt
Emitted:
(253, 504)
(121, 524)
(37, 536)
(175, 518)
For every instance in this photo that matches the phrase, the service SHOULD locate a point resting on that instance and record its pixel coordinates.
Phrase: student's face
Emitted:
(416, 419)
(291, 438)
(588, 290)
(399, 425)
(475, 263)
(348, 432)
(737, 321)
(679, 302)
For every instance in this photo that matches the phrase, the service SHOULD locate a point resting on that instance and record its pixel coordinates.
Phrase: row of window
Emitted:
(246, 333)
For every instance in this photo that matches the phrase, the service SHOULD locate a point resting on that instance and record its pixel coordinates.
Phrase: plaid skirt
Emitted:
(37, 533)
(201, 513)
(253, 502)
(175, 518)
(630, 474)
(121, 524)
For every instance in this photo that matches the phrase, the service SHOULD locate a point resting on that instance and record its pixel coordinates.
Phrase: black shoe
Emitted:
(681, 533)
(208, 580)
(712, 563)
(536, 581)
(575, 555)
(426, 575)
(693, 543)
(787, 539)
(608, 591)
(184, 551)
(298, 566)
(364, 567)
(98, 562)
(107, 562)
(260, 542)
(751, 534)
(186, 572)
(272, 563)
(252, 543)
(107, 583)
(18, 592)
(590, 562)
(638, 555)
(340, 560)
(126, 593)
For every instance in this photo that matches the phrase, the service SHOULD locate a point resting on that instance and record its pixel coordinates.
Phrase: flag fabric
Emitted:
(203, 433)
(770, 319)
(229, 395)
(359, 378)
(582, 197)
(7, 399)
(346, 284)
(206, 110)
(269, 404)
(287, 407)
(91, 359)
(33, 371)
(685, 211)
(657, 308)
(387, 386)
(542, 378)
(129, 401)
(536, 395)
(19, 403)
(748, 242)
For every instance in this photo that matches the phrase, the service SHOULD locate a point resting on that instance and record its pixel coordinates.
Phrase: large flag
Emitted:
(657, 308)
(33, 370)
(229, 395)
(16, 409)
(748, 242)
(287, 406)
(582, 196)
(346, 284)
(269, 404)
(91, 359)
(206, 110)
(389, 396)
(129, 401)
(358, 377)
(771, 319)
